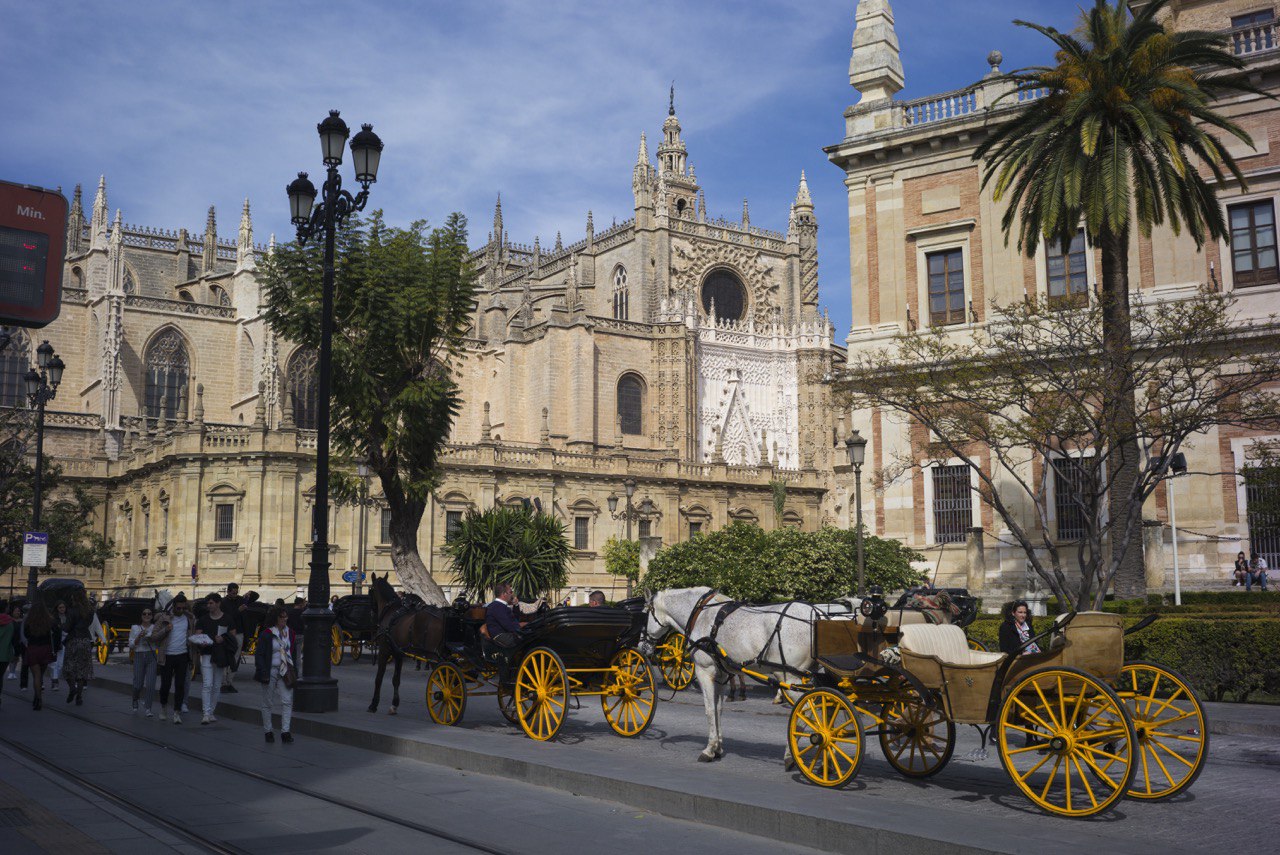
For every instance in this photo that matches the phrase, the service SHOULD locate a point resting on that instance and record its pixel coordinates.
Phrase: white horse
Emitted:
(748, 633)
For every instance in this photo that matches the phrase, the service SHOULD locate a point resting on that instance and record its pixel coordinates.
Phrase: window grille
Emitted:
(1262, 496)
(1068, 281)
(952, 504)
(1068, 487)
(1253, 243)
(581, 530)
(452, 523)
(224, 522)
(304, 395)
(631, 404)
(14, 364)
(645, 527)
(167, 368)
(946, 287)
(695, 529)
(384, 530)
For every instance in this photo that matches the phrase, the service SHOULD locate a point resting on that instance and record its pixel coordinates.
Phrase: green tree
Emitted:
(1115, 143)
(622, 558)
(402, 307)
(520, 546)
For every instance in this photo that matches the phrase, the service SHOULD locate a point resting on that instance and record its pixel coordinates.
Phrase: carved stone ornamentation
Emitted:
(691, 261)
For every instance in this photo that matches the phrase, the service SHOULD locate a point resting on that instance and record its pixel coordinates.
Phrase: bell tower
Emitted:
(677, 185)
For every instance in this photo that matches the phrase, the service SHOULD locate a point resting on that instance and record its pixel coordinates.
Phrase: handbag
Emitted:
(290, 677)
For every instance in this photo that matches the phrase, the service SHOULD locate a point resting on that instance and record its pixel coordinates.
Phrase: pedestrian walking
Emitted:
(175, 661)
(8, 629)
(39, 637)
(16, 666)
(61, 620)
(274, 668)
(233, 606)
(77, 664)
(142, 645)
(214, 657)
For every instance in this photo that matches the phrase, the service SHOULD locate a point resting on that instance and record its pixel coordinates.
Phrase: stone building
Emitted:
(679, 350)
(920, 225)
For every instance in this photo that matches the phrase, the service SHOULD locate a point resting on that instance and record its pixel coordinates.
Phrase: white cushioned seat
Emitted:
(946, 642)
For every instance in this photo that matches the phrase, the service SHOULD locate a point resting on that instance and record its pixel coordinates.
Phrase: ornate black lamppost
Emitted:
(316, 690)
(42, 387)
(628, 514)
(856, 445)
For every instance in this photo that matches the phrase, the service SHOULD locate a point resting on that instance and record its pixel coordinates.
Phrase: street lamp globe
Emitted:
(630, 486)
(44, 353)
(333, 137)
(362, 469)
(32, 379)
(56, 367)
(302, 198)
(366, 151)
(856, 445)
(613, 503)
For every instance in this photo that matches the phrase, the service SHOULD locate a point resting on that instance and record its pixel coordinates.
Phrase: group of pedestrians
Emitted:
(1250, 572)
(35, 640)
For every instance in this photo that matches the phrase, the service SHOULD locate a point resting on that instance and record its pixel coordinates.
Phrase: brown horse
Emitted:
(402, 628)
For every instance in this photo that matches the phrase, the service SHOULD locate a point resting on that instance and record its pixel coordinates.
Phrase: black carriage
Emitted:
(117, 616)
(353, 628)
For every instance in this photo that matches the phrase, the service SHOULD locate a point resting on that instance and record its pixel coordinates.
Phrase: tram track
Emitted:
(221, 846)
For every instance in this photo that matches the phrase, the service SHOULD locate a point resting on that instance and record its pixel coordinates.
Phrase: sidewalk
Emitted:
(1244, 719)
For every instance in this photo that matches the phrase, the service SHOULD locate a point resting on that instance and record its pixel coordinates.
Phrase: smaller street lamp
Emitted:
(41, 387)
(856, 446)
(629, 513)
(362, 469)
(1177, 466)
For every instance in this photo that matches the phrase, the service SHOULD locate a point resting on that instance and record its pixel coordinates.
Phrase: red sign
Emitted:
(33, 235)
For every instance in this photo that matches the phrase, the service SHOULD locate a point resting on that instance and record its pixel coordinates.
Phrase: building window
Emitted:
(581, 532)
(946, 287)
(224, 522)
(384, 530)
(303, 388)
(452, 524)
(695, 528)
(220, 296)
(129, 285)
(164, 522)
(167, 369)
(146, 526)
(723, 292)
(631, 404)
(1068, 487)
(1253, 243)
(1262, 499)
(645, 527)
(952, 504)
(1255, 31)
(1068, 281)
(14, 364)
(620, 297)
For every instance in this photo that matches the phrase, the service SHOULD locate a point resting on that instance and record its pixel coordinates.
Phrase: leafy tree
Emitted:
(402, 306)
(517, 545)
(1115, 144)
(68, 512)
(746, 562)
(622, 558)
(1036, 391)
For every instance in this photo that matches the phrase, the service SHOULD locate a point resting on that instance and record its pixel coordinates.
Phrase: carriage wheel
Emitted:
(542, 691)
(825, 738)
(1067, 741)
(335, 647)
(632, 696)
(102, 650)
(674, 661)
(507, 702)
(357, 648)
(1173, 736)
(446, 694)
(975, 644)
(917, 739)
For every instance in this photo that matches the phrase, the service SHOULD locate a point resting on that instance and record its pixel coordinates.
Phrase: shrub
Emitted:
(622, 558)
(748, 563)
(520, 546)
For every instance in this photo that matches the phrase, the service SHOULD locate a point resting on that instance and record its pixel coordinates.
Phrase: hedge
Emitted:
(748, 563)
(1222, 659)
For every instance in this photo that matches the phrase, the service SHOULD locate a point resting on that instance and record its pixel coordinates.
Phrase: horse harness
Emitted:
(387, 620)
(708, 644)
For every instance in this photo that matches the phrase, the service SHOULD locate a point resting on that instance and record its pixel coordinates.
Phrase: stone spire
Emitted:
(486, 428)
(672, 153)
(591, 233)
(642, 157)
(210, 242)
(746, 215)
(244, 243)
(544, 435)
(571, 298)
(75, 224)
(497, 221)
(537, 255)
(875, 66)
(559, 242)
(803, 200)
(98, 222)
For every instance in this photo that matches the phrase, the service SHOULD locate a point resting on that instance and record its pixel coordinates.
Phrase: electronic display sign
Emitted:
(33, 234)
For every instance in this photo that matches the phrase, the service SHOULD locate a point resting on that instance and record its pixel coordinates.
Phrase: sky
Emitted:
(187, 105)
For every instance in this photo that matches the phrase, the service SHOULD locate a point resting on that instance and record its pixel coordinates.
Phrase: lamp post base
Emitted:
(316, 691)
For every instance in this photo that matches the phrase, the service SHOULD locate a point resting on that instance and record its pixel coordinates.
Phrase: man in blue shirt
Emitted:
(502, 625)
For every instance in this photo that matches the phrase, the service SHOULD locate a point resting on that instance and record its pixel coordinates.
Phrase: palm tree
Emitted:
(518, 545)
(1124, 135)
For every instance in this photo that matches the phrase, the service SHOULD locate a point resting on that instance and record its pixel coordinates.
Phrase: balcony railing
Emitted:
(1253, 38)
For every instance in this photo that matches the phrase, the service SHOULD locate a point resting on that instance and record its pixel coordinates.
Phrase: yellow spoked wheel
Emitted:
(101, 651)
(446, 694)
(975, 644)
(1066, 740)
(675, 662)
(357, 648)
(630, 696)
(917, 739)
(335, 648)
(825, 738)
(1173, 735)
(542, 692)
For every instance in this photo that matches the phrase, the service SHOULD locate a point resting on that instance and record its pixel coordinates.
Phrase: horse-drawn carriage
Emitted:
(1076, 726)
(353, 627)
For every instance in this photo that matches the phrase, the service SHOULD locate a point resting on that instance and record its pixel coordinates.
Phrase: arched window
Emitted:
(724, 290)
(130, 286)
(620, 308)
(168, 369)
(185, 296)
(631, 404)
(300, 378)
(220, 296)
(15, 361)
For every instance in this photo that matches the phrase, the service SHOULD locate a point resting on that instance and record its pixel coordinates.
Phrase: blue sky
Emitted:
(186, 105)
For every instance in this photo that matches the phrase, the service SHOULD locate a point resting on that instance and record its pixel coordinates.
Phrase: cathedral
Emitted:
(674, 361)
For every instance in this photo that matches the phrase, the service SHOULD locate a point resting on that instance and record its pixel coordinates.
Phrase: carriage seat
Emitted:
(946, 643)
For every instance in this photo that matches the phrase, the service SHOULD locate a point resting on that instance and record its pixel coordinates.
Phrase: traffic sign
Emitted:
(35, 549)
(353, 576)
(33, 236)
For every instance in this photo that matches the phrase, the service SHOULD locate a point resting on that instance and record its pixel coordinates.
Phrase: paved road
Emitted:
(227, 808)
